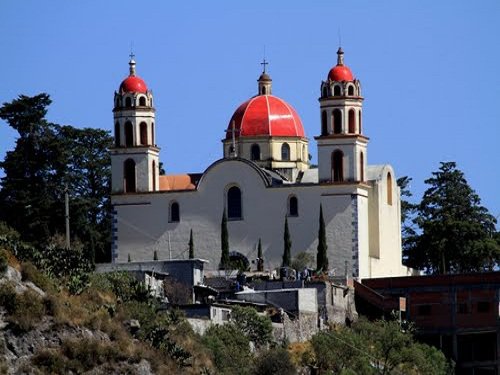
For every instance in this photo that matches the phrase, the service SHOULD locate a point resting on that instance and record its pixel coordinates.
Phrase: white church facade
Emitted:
(263, 177)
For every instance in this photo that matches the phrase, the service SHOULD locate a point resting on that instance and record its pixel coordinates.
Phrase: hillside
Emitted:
(110, 328)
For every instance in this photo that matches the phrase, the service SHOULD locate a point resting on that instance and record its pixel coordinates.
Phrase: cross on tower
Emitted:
(132, 55)
(264, 63)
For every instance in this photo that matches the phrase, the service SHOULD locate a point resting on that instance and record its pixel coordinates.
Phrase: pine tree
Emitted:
(260, 259)
(191, 245)
(322, 258)
(224, 239)
(287, 257)
(457, 234)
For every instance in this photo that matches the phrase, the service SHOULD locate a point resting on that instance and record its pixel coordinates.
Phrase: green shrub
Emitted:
(274, 362)
(8, 297)
(3, 262)
(88, 353)
(230, 348)
(50, 361)
(30, 273)
(122, 284)
(28, 311)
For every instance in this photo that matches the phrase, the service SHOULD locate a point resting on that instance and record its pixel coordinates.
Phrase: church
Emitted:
(263, 178)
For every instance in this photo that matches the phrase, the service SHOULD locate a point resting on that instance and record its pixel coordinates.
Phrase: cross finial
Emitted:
(264, 63)
(131, 55)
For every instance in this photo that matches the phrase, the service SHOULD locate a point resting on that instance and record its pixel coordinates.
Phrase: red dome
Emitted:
(265, 115)
(340, 73)
(133, 84)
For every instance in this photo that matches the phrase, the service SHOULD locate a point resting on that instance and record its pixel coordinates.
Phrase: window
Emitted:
(129, 176)
(483, 306)
(336, 91)
(389, 189)
(152, 134)
(352, 121)
(350, 91)
(255, 152)
(361, 166)
(117, 134)
(117, 101)
(234, 203)
(324, 125)
(337, 121)
(263, 91)
(128, 102)
(142, 101)
(359, 122)
(285, 152)
(293, 206)
(324, 92)
(129, 134)
(144, 133)
(174, 212)
(424, 310)
(462, 308)
(154, 175)
(338, 166)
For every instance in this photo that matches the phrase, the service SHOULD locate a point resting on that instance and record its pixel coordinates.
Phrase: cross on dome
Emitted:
(264, 63)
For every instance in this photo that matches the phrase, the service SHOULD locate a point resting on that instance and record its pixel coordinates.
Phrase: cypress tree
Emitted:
(155, 255)
(224, 239)
(191, 245)
(260, 259)
(322, 259)
(287, 246)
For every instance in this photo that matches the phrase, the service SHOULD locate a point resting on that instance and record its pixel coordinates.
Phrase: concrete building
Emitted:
(263, 177)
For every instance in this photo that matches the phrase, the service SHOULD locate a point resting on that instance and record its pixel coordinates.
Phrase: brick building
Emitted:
(457, 313)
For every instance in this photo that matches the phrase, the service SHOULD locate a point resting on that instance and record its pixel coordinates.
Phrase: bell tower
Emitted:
(135, 156)
(342, 147)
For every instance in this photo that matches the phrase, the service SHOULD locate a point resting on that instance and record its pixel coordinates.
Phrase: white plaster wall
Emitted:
(385, 229)
(143, 227)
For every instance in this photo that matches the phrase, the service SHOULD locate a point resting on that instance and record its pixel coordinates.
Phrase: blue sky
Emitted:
(429, 71)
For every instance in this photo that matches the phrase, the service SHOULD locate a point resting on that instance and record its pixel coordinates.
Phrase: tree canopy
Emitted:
(46, 158)
(455, 233)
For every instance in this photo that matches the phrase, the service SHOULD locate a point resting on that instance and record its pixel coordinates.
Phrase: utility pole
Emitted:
(66, 214)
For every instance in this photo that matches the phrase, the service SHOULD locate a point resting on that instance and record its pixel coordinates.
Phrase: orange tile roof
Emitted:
(177, 182)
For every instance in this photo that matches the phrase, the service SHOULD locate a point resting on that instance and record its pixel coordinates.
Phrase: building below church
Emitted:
(263, 177)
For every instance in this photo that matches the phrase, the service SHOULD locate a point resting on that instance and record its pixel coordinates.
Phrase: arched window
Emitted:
(129, 134)
(361, 166)
(152, 134)
(255, 152)
(175, 214)
(324, 125)
(337, 121)
(142, 101)
(154, 175)
(263, 91)
(336, 91)
(325, 92)
(117, 134)
(234, 203)
(128, 102)
(350, 91)
(389, 189)
(338, 166)
(293, 206)
(117, 101)
(360, 130)
(352, 121)
(144, 133)
(129, 176)
(285, 151)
